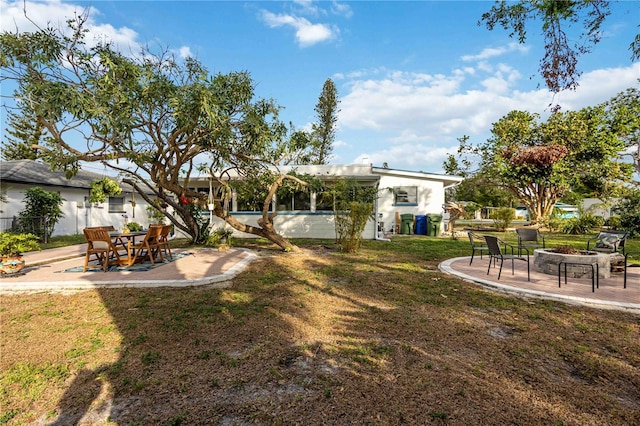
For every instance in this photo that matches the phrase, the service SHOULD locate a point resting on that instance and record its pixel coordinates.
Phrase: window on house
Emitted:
(116, 204)
(324, 203)
(405, 194)
(299, 201)
(250, 202)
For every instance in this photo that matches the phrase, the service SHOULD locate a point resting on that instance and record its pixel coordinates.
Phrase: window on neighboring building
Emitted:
(405, 194)
(116, 204)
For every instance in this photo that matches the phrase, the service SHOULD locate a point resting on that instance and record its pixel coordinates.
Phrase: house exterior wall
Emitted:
(291, 224)
(77, 213)
(297, 225)
(430, 198)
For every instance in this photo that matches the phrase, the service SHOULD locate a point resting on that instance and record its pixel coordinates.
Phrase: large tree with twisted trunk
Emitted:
(153, 119)
(540, 162)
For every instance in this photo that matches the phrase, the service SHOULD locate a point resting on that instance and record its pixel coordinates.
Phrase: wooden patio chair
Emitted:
(148, 248)
(496, 253)
(99, 244)
(163, 243)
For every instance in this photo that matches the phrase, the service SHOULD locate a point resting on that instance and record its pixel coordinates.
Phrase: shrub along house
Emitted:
(304, 215)
(18, 176)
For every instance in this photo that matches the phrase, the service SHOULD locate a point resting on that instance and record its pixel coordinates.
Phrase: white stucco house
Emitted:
(301, 216)
(18, 176)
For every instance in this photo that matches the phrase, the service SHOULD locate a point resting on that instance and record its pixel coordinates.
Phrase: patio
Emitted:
(611, 293)
(211, 267)
(45, 271)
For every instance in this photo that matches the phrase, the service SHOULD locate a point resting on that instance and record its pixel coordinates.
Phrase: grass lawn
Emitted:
(319, 337)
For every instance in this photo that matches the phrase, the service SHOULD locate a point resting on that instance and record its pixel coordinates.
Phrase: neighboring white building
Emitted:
(598, 207)
(301, 216)
(16, 177)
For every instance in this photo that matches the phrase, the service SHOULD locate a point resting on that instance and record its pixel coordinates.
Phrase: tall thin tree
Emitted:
(324, 130)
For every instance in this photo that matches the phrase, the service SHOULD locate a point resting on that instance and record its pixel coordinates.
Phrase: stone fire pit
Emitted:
(546, 261)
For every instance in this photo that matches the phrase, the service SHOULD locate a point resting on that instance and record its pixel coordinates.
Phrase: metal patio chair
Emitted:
(496, 254)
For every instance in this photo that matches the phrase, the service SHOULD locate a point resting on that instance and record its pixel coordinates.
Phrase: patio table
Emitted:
(119, 237)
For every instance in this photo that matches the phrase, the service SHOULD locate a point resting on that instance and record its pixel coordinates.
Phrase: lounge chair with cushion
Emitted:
(99, 244)
(608, 242)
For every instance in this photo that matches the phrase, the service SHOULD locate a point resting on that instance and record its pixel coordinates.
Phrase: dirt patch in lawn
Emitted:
(317, 337)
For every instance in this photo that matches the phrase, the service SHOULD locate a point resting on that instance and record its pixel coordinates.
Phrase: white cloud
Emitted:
(55, 13)
(307, 7)
(341, 9)
(491, 52)
(401, 112)
(307, 33)
(185, 52)
(426, 158)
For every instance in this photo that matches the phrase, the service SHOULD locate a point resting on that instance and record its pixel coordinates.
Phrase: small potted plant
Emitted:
(221, 237)
(134, 226)
(11, 248)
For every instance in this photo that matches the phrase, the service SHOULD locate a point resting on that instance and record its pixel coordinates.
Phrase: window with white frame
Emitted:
(116, 204)
(407, 195)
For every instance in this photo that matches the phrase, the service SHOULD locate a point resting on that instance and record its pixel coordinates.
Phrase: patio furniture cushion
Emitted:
(608, 241)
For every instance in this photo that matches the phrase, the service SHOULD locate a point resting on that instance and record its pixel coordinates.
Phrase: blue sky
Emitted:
(411, 76)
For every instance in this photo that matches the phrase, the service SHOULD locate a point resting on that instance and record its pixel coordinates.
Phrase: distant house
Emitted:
(18, 176)
(302, 215)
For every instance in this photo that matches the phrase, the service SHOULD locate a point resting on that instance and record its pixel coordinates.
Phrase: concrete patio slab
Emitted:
(611, 293)
(44, 271)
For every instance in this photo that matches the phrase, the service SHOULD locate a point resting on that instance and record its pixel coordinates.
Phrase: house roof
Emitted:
(446, 180)
(33, 172)
(362, 172)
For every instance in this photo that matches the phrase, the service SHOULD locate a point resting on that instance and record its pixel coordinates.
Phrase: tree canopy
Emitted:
(150, 117)
(559, 65)
(540, 162)
(624, 110)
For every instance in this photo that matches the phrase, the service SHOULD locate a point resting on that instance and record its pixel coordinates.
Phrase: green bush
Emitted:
(614, 222)
(219, 236)
(630, 214)
(584, 224)
(134, 226)
(16, 244)
(503, 217)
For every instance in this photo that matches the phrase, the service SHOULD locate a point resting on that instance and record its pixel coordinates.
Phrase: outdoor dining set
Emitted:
(111, 247)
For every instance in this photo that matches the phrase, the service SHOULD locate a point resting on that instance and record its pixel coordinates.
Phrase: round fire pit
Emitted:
(547, 260)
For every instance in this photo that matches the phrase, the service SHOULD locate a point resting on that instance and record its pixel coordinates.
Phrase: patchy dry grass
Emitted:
(318, 337)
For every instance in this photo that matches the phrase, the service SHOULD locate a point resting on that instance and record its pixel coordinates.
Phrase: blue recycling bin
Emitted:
(421, 224)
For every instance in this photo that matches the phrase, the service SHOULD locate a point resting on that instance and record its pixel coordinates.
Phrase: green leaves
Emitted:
(559, 65)
(102, 189)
